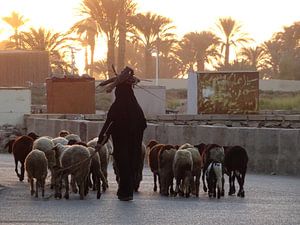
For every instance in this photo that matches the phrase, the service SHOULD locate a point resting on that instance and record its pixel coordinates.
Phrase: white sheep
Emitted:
(60, 140)
(96, 172)
(197, 166)
(73, 137)
(46, 145)
(182, 169)
(75, 161)
(103, 154)
(36, 167)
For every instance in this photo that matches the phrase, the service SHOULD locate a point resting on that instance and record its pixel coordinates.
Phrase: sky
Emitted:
(259, 18)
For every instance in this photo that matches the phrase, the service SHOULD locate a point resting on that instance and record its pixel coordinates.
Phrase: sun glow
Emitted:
(260, 19)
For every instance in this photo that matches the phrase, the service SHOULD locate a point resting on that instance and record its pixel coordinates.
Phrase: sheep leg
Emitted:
(222, 187)
(36, 188)
(52, 182)
(31, 186)
(203, 180)
(94, 179)
(241, 179)
(155, 185)
(43, 188)
(81, 189)
(98, 186)
(197, 185)
(16, 169)
(73, 185)
(103, 179)
(177, 187)
(231, 183)
(66, 180)
(171, 188)
(22, 172)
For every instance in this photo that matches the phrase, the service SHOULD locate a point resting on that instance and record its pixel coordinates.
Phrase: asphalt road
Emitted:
(269, 200)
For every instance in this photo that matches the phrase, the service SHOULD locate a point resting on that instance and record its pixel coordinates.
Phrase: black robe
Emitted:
(127, 127)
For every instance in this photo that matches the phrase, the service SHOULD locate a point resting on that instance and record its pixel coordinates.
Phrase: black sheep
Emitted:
(235, 163)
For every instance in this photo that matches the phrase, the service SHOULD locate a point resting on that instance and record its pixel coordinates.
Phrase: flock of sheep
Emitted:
(67, 156)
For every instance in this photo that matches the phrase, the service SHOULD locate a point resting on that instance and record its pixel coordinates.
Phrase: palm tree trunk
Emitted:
(148, 63)
(122, 37)
(110, 56)
(86, 63)
(226, 62)
(92, 60)
(200, 64)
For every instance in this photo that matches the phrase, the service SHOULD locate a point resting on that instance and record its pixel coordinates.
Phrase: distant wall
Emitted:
(23, 67)
(14, 103)
(264, 85)
(152, 99)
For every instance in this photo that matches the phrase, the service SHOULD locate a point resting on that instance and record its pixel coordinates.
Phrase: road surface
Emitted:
(269, 200)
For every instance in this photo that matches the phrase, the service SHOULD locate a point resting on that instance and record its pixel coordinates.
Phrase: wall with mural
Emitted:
(228, 92)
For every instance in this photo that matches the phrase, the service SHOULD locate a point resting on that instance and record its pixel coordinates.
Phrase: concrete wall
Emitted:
(269, 149)
(152, 99)
(14, 103)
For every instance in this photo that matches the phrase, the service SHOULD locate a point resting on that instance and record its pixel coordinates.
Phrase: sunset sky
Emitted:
(260, 18)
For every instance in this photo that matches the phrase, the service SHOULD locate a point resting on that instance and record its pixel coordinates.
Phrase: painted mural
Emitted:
(228, 92)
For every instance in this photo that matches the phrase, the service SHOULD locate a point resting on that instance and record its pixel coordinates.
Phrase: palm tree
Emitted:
(45, 40)
(231, 35)
(199, 48)
(150, 30)
(15, 20)
(126, 10)
(87, 31)
(254, 56)
(104, 13)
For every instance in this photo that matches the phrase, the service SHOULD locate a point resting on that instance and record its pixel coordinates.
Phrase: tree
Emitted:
(284, 53)
(199, 48)
(126, 10)
(45, 40)
(232, 35)
(254, 56)
(150, 30)
(15, 20)
(104, 13)
(87, 31)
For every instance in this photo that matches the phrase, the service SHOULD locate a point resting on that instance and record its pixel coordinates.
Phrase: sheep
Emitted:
(63, 133)
(36, 167)
(235, 163)
(104, 157)
(182, 169)
(20, 147)
(153, 163)
(61, 140)
(74, 137)
(211, 153)
(214, 176)
(149, 146)
(46, 145)
(95, 171)
(165, 170)
(75, 161)
(197, 167)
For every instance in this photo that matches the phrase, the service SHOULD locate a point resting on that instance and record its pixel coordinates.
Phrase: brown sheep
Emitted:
(20, 147)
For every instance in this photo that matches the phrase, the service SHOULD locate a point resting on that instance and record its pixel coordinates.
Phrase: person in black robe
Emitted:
(125, 123)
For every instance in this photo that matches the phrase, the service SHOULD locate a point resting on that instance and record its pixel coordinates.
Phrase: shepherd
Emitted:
(125, 123)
